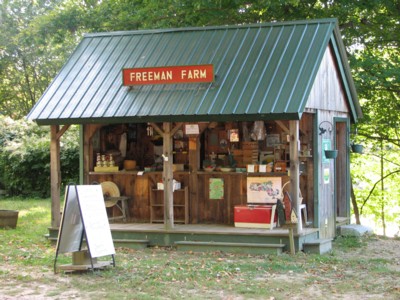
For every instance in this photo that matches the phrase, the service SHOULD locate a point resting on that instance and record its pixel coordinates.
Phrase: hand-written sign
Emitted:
(168, 75)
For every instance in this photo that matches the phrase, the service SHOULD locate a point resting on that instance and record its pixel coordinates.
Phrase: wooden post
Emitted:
(87, 150)
(55, 176)
(295, 170)
(168, 177)
(290, 227)
(194, 164)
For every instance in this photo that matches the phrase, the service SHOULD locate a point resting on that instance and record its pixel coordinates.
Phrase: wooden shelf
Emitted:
(181, 208)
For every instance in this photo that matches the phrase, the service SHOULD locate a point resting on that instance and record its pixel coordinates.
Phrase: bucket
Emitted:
(357, 148)
(129, 165)
(331, 154)
(8, 218)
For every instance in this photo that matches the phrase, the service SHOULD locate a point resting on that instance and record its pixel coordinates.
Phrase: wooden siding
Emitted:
(328, 100)
(328, 173)
(327, 92)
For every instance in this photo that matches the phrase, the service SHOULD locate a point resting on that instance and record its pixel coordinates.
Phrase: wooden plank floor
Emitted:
(205, 229)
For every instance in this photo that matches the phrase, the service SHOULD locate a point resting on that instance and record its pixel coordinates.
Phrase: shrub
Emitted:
(25, 158)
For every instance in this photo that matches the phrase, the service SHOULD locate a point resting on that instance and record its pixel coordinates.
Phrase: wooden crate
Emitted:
(106, 169)
(250, 145)
(250, 156)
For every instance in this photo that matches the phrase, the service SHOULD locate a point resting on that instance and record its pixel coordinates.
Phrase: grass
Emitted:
(27, 261)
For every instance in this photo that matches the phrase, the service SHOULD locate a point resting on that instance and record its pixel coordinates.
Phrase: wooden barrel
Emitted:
(8, 218)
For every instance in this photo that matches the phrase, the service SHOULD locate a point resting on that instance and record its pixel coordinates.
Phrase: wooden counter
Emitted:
(201, 209)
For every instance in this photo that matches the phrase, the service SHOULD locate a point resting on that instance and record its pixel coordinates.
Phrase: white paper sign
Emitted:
(95, 220)
(192, 129)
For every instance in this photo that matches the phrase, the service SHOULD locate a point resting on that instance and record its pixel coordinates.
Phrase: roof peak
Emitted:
(222, 27)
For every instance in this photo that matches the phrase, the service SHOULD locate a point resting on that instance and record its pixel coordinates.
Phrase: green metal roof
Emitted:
(262, 71)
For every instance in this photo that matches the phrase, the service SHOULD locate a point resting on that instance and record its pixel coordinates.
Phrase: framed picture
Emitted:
(234, 135)
(264, 189)
(273, 139)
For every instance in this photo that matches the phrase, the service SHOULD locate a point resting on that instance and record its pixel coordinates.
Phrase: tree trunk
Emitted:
(354, 202)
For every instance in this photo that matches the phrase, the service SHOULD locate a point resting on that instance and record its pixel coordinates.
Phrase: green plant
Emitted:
(25, 158)
(347, 243)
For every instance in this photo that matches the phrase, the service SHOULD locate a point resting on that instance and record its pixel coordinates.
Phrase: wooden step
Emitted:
(127, 243)
(318, 246)
(132, 244)
(252, 248)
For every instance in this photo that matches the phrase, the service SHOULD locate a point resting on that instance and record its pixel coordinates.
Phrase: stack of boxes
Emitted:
(250, 153)
(238, 158)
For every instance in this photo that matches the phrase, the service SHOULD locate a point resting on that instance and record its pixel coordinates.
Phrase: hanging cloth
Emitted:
(122, 144)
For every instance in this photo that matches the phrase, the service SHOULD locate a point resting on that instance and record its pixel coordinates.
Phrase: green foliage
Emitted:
(25, 158)
(348, 243)
(29, 58)
(37, 37)
(375, 176)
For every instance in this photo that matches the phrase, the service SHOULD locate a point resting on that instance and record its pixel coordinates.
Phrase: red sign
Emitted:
(167, 75)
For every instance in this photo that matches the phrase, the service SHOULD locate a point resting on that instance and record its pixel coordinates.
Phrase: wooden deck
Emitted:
(137, 235)
(206, 237)
(205, 228)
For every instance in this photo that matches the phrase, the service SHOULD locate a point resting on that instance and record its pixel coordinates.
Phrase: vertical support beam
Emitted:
(194, 165)
(55, 176)
(84, 154)
(295, 169)
(87, 164)
(168, 177)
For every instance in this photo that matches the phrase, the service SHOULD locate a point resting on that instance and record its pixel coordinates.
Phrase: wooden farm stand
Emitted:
(181, 97)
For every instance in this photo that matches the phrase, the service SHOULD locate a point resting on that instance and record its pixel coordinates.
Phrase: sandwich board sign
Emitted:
(85, 216)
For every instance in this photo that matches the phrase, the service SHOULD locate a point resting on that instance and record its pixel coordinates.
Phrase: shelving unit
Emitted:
(280, 160)
(181, 206)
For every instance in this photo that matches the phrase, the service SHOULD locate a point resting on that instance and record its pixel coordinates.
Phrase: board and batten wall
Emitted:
(328, 101)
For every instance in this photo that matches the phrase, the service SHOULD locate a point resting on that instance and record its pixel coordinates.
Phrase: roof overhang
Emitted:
(262, 72)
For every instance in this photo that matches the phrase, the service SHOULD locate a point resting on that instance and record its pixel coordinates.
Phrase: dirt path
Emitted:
(326, 282)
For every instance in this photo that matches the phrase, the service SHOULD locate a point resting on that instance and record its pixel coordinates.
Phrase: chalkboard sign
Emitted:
(85, 215)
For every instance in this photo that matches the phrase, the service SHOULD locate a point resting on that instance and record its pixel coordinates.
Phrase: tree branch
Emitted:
(373, 188)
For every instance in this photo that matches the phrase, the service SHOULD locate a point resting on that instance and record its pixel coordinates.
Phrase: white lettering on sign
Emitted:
(169, 74)
(193, 74)
(150, 76)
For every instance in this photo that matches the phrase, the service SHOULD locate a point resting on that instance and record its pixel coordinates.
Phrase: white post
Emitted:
(168, 177)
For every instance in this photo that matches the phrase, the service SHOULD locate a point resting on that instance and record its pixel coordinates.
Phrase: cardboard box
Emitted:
(255, 216)
(280, 166)
(252, 168)
(178, 167)
(82, 258)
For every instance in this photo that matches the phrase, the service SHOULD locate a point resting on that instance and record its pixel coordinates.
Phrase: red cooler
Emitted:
(255, 216)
